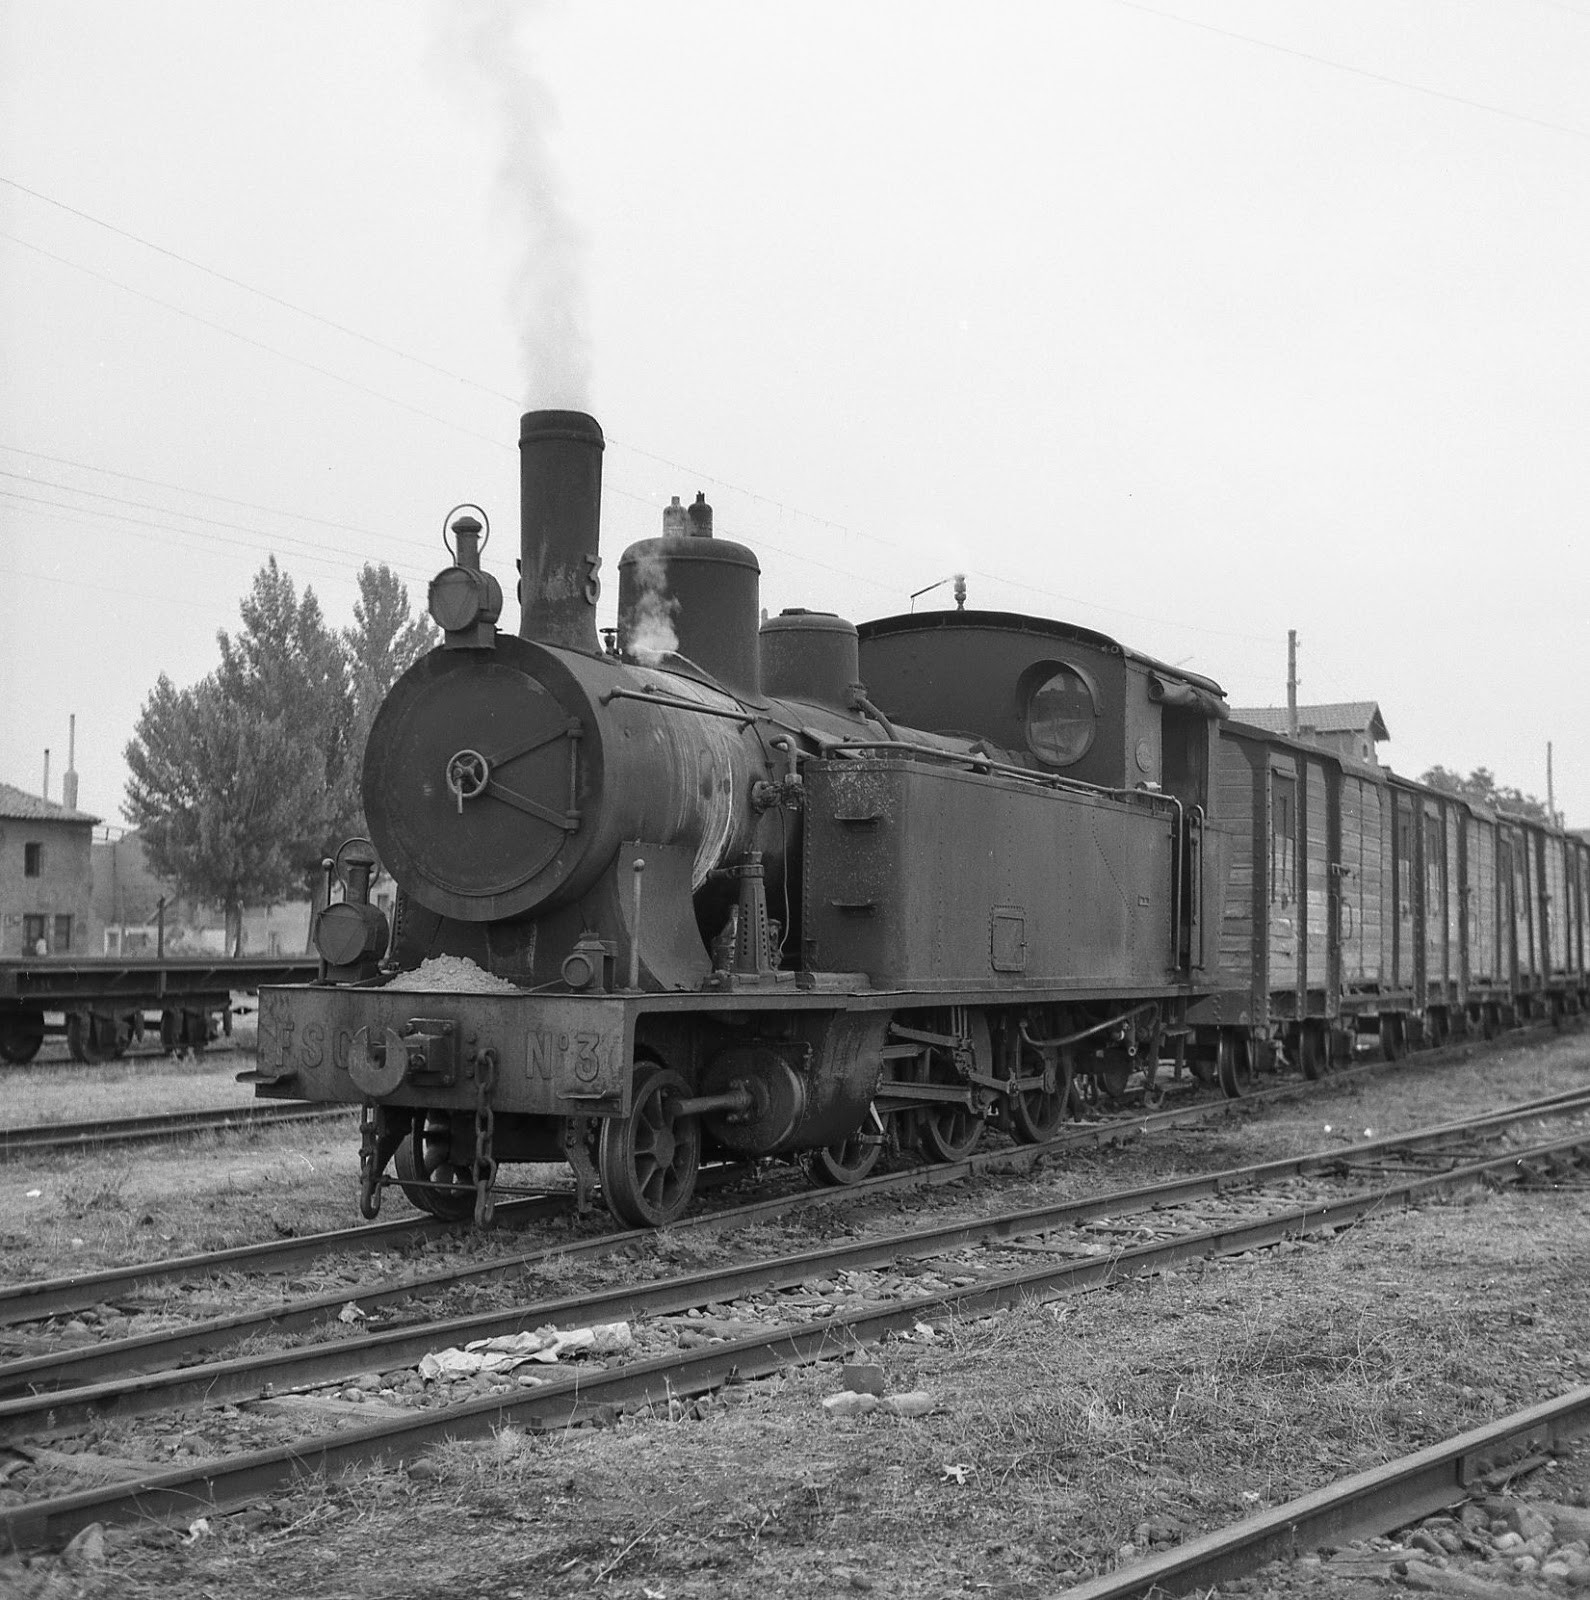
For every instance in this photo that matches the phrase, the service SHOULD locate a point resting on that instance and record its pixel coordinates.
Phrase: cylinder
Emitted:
(696, 598)
(811, 656)
(560, 514)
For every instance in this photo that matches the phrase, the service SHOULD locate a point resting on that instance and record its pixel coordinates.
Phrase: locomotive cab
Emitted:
(1067, 701)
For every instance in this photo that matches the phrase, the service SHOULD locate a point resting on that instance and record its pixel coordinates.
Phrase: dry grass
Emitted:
(1064, 1433)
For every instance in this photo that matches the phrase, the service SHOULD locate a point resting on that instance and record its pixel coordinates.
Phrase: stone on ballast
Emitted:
(1527, 1521)
(1508, 1542)
(1567, 1522)
(1424, 1540)
(87, 1548)
(847, 1403)
(864, 1378)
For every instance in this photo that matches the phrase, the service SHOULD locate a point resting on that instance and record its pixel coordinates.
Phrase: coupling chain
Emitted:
(372, 1123)
(485, 1126)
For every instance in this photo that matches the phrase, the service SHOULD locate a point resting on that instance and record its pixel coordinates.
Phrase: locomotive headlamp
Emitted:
(352, 935)
(463, 601)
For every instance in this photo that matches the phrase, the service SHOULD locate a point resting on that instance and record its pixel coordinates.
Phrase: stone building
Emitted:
(46, 876)
(1351, 727)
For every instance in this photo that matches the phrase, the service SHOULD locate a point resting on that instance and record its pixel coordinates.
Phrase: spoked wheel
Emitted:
(1038, 1114)
(1311, 1053)
(649, 1159)
(1235, 1065)
(92, 1039)
(426, 1156)
(21, 1034)
(848, 1161)
(951, 1131)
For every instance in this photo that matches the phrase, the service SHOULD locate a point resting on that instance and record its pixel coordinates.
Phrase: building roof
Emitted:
(21, 806)
(1345, 716)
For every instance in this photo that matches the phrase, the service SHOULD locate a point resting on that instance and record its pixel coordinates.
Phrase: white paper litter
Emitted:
(511, 1350)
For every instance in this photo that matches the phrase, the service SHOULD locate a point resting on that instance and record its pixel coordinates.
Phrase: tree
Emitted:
(244, 783)
(220, 794)
(286, 666)
(1481, 786)
(383, 643)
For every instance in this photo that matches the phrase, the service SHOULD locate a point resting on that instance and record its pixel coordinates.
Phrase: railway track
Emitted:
(16, 1143)
(965, 1267)
(78, 1292)
(1367, 1503)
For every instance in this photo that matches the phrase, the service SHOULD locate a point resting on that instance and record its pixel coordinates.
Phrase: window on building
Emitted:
(32, 860)
(63, 935)
(32, 935)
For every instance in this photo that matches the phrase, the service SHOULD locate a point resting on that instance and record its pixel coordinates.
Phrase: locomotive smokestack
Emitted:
(560, 510)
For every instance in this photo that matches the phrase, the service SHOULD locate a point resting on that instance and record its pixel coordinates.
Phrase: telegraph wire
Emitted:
(178, 488)
(1021, 586)
(1358, 72)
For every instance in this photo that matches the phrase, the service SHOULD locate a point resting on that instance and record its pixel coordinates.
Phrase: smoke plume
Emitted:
(648, 625)
(483, 42)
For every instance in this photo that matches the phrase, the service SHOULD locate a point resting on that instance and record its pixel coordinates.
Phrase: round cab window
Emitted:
(1062, 718)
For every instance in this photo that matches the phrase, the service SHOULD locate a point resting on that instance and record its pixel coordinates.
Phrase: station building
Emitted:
(46, 876)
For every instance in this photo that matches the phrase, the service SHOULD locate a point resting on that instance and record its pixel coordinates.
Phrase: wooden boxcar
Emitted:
(1360, 902)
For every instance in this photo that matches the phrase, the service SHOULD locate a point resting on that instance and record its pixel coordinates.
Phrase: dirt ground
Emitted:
(1064, 1438)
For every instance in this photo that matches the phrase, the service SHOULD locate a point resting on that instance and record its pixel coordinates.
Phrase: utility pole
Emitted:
(1291, 682)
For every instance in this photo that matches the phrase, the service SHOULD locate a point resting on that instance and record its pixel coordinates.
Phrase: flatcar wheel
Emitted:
(1311, 1051)
(848, 1161)
(1038, 1114)
(649, 1159)
(86, 1038)
(1390, 1037)
(1235, 1065)
(21, 1034)
(426, 1156)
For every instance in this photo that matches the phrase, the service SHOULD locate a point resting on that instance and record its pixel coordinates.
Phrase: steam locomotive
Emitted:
(726, 887)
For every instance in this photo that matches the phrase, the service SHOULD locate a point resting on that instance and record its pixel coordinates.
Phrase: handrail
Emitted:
(986, 763)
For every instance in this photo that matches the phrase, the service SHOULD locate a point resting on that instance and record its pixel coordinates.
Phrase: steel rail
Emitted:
(52, 1297)
(1367, 1503)
(64, 1391)
(228, 1483)
(37, 1300)
(64, 1136)
(147, 1352)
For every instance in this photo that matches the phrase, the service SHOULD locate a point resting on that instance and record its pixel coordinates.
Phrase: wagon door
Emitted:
(1359, 884)
(1315, 845)
(1404, 964)
(1434, 903)
(1285, 913)
(1555, 902)
(1484, 962)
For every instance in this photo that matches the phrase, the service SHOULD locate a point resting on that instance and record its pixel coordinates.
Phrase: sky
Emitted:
(1192, 322)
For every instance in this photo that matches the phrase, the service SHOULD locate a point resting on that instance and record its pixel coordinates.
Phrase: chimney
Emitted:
(560, 513)
(69, 782)
(46, 774)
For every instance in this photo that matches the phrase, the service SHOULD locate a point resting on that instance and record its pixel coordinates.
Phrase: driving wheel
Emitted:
(648, 1160)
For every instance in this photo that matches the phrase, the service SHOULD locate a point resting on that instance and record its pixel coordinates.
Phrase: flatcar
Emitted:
(732, 888)
(107, 1003)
